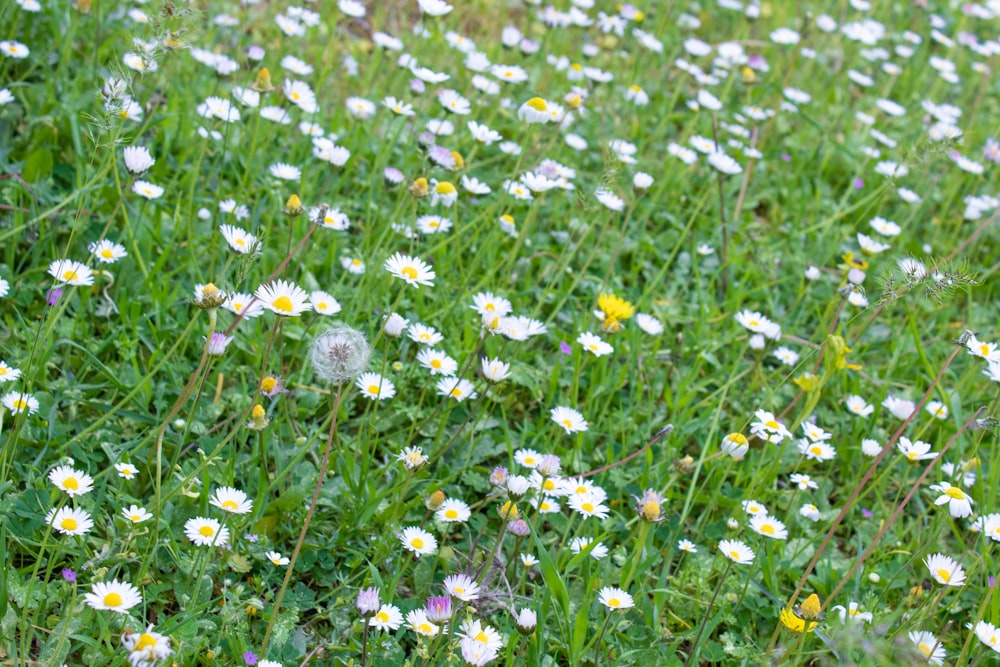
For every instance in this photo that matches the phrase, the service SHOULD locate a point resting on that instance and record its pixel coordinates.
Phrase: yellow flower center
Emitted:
(69, 275)
(417, 543)
(112, 600)
(568, 423)
(944, 575)
(451, 514)
(538, 104)
(549, 485)
(651, 509)
(240, 242)
(436, 363)
(321, 306)
(237, 307)
(456, 392)
(772, 424)
(816, 449)
(459, 590)
(481, 637)
(71, 483)
(955, 492)
(295, 96)
(614, 602)
(767, 529)
(409, 272)
(984, 349)
(230, 505)
(135, 518)
(146, 640)
(587, 507)
(268, 383)
(107, 254)
(284, 304)
(444, 188)
(20, 404)
(373, 389)
(382, 617)
(735, 555)
(924, 648)
(68, 524)
(206, 531)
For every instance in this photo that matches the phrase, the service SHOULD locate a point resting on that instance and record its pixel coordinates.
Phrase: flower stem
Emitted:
(704, 621)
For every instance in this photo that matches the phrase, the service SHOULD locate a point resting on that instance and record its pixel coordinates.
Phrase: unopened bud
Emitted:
(293, 206)
(419, 188)
(263, 82)
(434, 501)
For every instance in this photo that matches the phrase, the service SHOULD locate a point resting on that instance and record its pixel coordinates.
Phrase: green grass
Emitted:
(121, 372)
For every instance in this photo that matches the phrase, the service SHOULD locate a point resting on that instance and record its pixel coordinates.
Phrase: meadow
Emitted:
(492, 332)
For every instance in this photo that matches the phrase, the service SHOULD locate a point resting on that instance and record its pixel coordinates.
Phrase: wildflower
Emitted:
(73, 482)
(804, 482)
(649, 324)
(71, 273)
(417, 540)
(915, 451)
(410, 269)
(495, 370)
(69, 521)
(525, 620)
(988, 635)
(929, 645)
(610, 199)
(594, 344)
(107, 252)
(113, 596)
(587, 507)
(580, 544)
(767, 427)
(528, 560)
(937, 409)
(231, 500)
(243, 304)
(650, 506)
(858, 406)
(147, 190)
(388, 617)
(816, 451)
(959, 503)
(735, 445)
(481, 633)
(146, 648)
(239, 240)
(457, 388)
(687, 546)
(753, 508)
(18, 402)
(276, 558)
(8, 373)
(569, 419)
(437, 362)
(249, 658)
(899, 407)
(757, 323)
(462, 587)
(768, 526)
(138, 159)
(206, 532)
(535, 110)
(795, 623)
(976, 347)
(323, 303)
(852, 613)
(453, 510)
(736, 551)
(136, 514)
(945, 570)
(434, 7)
(810, 512)
(615, 598)
(342, 353)
(283, 298)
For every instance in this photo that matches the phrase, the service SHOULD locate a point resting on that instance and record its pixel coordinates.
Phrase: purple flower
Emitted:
(393, 176)
(250, 658)
(992, 581)
(859, 183)
(251, 537)
(519, 527)
(255, 53)
(417, 86)
(368, 602)
(439, 608)
(866, 513)
(218, 344)
(786, 157)
(564, 347)
(53, 295)
(69, 575)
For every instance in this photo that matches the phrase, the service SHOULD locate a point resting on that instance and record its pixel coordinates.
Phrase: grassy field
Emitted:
(410, 333)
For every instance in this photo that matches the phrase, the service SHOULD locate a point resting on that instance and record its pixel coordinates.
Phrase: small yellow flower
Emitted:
(459, 160)
(796, 624)
(435, 500)
(509, 511)
(419, 188)
(294, 206)
(263, 82)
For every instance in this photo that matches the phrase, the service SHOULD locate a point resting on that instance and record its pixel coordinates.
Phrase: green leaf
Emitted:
(552, 579)
(37, 166)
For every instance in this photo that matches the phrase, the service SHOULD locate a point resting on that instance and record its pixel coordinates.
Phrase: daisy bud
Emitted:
(368, 603)
(438, 609)
(549, 466)
(519, 527)
(748, 75)
(339, 354)
(208, 296)
(434, 501)
(641, 181)
(650, 506)
(459, 160)
(263, 82)
(393, 176)
(419, 188)
(293, 206)
(855, 276)
(508, 510)
(525, 620)
(757, 342)
(394, 325)
(518, 485)
(218, 343)
(258, 418)
(732, 524)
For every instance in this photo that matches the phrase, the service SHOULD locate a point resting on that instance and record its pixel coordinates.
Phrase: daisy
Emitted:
(126, 470)
(353, 265)
(767, 427)
(137, 159)
(454, 102)
(244, 304)
(18, 402)
(422, 334)
(735, 445)
(206, 532)
(107, 252)
(804, 482)
(899, 407)
(323, 303)
(479, 632)
(483, 134)
(495, 370)
(753, 508)
(816, 451)
(988, 635)
(276, 558)
(69, 521)
(649, 324)
(73, 482)
(528, 560)
(285, 172)
(434, 7)
(535, 110)
(113, 596)
(810, 512)
(412, 457)
(453, 510)
(688, 546)
(398, 107)
(569, 419)
(283, 298)
(375, 387)
(945, 570)
(462, 587)
(959, 503)
(610, 199)
(786, 356)
(417, 540)
(580, 544)
(915, 451)
(8, 373)
(301, 95)
(147, 189)
(976, 347)
(13, 49)
(852, 613)
(736, 551)
(587, 506)
(437, 362)
(360, 108)
(239, 240)
(71, 273)
(594, 344)
(757, 323)
(330, 218)
(929, 645)
(413, 270)
(937, 409)
(768, 526)
(231, 500)
(615, 598)
(136, 514)
(528, 458)
(858, 406)
(457, 388)
(388, 617)
(147, 648)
